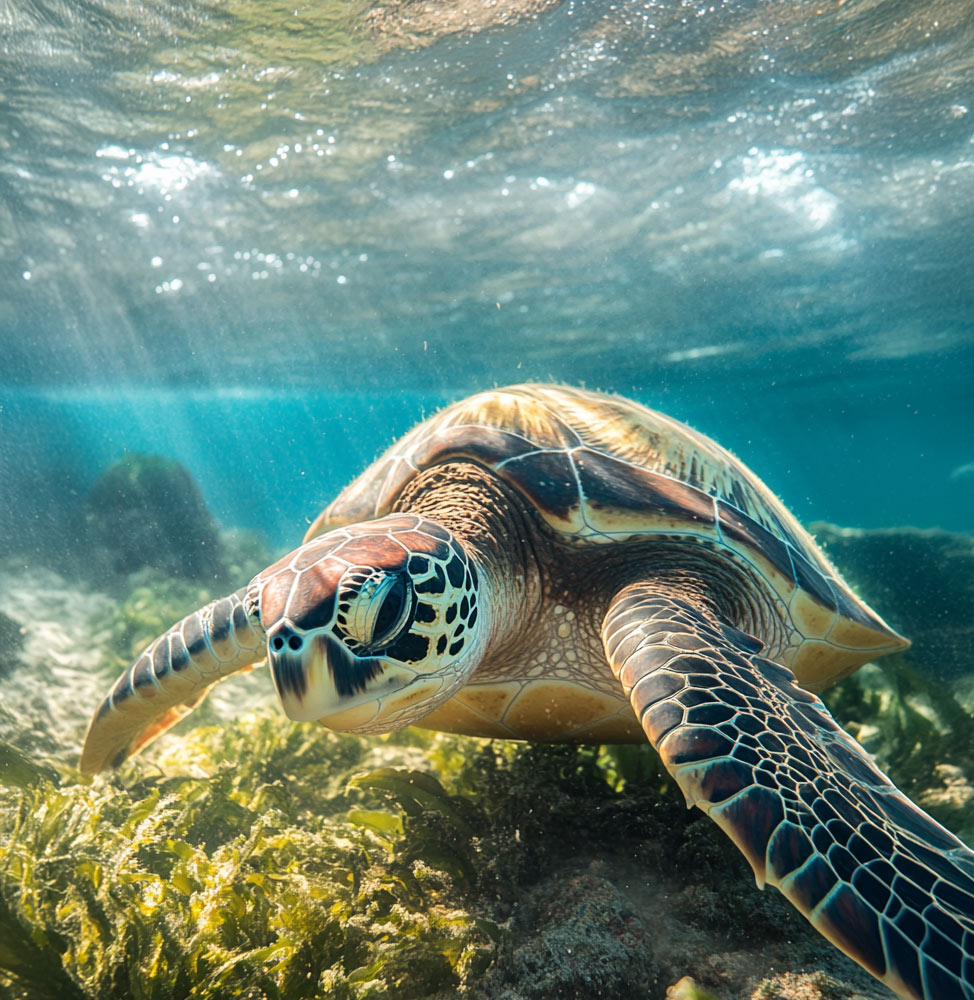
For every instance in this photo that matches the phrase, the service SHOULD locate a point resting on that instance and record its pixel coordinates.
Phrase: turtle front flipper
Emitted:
(171, 677)
(812, 813)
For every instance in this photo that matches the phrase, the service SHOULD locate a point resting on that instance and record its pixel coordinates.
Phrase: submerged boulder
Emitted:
(11, 641)
(11, 634)
(575, 936)
(146, 510)
(921, 581)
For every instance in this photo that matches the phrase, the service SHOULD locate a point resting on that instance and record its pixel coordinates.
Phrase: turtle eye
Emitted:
(381, 609)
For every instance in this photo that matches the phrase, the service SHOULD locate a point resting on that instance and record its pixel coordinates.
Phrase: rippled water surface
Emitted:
(236, 230)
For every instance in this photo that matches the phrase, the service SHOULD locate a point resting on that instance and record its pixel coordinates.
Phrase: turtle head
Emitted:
(370, 627)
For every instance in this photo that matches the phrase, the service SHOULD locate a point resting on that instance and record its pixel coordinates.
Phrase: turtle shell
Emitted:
(603, 470)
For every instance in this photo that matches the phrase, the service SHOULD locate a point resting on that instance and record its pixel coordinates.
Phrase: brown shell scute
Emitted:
(577, 455)
(601, 469)
(550, 480)
(739, 528)
(609, 484)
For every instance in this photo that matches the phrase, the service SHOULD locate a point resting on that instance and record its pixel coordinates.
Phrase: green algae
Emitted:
(19, 770)
(919, 731)
(261, 873)
(153, 602)
(687, 989)
(914, 711)
(153, 599)
(260, 858)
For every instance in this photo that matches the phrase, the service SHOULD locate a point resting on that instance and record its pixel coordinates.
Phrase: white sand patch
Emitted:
(52, 684)
(50, 688)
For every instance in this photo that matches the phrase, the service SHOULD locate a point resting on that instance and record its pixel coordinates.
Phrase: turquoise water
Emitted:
(869, 453)
(266, 242)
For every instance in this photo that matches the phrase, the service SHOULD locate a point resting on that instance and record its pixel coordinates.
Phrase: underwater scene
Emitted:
(680, 299)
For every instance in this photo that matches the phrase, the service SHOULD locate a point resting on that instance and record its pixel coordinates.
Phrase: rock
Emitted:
(920, 581)
(11, 635)
(576, 938)
(11, 642)
(803, 986)
(146, 510)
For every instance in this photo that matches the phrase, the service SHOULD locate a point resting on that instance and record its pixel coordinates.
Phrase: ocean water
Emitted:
(264, 239)
(269, 241)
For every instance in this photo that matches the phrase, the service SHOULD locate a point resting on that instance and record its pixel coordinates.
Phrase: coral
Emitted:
(146, 510)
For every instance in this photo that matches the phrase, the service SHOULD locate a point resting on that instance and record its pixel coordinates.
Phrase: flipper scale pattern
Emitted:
(805, 804)
(171, 677)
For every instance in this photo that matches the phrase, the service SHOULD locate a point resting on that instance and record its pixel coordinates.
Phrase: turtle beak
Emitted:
(316, 675)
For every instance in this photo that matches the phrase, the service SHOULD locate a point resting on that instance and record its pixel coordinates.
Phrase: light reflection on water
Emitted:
(729, 211)
(666, 174)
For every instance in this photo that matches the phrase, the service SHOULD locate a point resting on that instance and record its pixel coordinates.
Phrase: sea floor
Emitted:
(244, 855)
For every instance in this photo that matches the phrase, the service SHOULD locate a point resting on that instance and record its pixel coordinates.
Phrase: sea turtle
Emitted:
(547, 563)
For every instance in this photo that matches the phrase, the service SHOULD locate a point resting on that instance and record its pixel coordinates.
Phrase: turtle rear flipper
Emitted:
(172, 677)
(809, 809)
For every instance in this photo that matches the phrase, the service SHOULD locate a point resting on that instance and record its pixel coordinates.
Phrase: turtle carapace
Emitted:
(546, 563)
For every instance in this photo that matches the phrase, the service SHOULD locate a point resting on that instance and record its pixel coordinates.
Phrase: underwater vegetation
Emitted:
(243, 879)
(246, 856)
(264, 859)
(913, 712)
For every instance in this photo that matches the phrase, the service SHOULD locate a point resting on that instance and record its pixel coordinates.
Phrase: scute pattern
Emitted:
(807, 807)
(443, 581)
(605, 470)
(513, 424)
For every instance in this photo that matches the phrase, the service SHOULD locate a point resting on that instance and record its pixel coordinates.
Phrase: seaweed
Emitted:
(261, 858)
(154, 600)
(919, 732)
(238, 879)
(913, 711)
(19, 770)
(687, 989)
